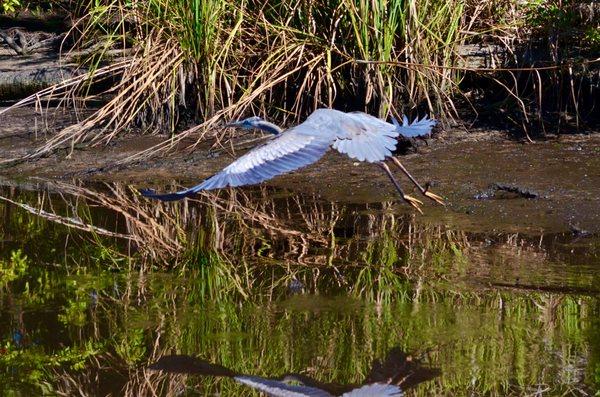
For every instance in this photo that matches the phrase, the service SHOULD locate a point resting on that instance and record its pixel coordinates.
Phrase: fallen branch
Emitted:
(491, 191)
(67, 221)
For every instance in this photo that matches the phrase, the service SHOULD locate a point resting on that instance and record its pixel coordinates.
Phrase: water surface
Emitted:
(96, 283)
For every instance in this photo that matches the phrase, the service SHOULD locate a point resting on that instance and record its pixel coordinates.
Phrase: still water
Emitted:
(97, 283)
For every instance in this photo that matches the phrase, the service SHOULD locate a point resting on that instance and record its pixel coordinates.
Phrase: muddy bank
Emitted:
(463, 166)
(30, 55)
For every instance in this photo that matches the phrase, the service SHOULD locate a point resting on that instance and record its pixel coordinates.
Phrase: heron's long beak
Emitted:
(234, 124)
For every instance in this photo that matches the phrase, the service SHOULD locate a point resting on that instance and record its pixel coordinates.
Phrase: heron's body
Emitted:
(358, 135)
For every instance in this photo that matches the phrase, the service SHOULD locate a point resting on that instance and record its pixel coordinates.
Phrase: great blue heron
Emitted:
(390, 377)
(358, 135)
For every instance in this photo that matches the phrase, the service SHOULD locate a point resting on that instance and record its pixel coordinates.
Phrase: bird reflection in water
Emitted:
(390, 377)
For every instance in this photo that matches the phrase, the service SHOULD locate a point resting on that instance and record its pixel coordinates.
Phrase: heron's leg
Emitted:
(424, 191)
(415, 203)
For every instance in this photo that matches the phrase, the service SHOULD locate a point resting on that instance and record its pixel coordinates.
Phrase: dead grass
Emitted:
(222, 60)
(231, 225)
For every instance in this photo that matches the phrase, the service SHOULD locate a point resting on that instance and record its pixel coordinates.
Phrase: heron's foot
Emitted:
(434, 197)
(415, 203)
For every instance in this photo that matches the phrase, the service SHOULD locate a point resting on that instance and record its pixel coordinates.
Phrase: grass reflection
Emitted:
(269, 285)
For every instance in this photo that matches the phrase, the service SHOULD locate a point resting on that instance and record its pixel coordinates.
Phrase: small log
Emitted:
(515, 189)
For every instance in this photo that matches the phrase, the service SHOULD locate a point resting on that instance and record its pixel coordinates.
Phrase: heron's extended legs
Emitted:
(415, 203)
(424, 191)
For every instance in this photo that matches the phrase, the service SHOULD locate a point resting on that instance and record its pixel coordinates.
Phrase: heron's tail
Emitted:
(417, 128)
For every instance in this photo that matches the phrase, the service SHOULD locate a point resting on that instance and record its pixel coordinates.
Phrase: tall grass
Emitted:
(208, 61)
(220, 60)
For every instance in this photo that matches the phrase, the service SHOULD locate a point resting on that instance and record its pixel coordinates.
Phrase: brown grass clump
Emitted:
(221, 60)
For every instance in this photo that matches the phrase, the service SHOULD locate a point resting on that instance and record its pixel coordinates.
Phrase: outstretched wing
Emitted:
(367, 138)
(280, 389)
(293, 149)
(375, 389)
(415, 129)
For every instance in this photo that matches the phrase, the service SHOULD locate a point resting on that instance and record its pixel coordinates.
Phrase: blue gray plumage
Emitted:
(358, 135)
(276, 388)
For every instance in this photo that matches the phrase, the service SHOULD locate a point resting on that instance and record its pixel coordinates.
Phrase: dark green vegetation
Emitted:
(85, 312)
(160, 64)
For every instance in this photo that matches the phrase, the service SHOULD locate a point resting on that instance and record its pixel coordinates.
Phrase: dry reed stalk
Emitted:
(158, 240)
(235, 223)
(248, 56)
(71, 222)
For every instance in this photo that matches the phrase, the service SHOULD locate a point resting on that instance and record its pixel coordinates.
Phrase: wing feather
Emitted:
(376, 389)
(367, 138)
(388, 142)
(417, 128)
(372, 150)
(293, 149)
(273, 387)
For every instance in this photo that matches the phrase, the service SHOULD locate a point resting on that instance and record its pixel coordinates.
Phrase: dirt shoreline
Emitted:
(461, 165)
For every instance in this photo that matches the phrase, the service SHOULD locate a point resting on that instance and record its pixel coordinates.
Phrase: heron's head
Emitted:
(250, 122)
(256, 122)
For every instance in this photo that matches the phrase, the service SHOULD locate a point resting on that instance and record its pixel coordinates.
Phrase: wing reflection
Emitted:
(389, 377)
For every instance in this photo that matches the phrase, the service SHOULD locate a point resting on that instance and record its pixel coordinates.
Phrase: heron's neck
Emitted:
(269, 127)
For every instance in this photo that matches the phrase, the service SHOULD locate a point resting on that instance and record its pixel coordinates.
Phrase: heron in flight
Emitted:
(358, 135)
